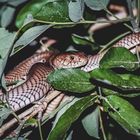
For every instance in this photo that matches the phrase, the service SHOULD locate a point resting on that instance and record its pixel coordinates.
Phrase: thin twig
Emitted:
(83, 22)
(105, 47)
(40, 130)
(102, 127)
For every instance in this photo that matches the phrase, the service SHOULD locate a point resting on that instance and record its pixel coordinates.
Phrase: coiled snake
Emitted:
(37, 67)
(34, 72)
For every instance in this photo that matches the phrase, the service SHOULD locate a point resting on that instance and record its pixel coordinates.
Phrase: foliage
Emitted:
(76, 80)
(103, 90)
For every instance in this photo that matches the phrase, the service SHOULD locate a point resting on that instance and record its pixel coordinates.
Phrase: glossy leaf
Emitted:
(120, 93)
(75, 10)
(64, 109)
(73, 80)
(31, 8)
(97, 4)
(91, 123)
(6, 42)
(111, 78)
(124, 113)
(119, 57)
(28, 36)
(81, 40)
(7, 16)
(49, 10)
(84, 41)
(71, 115)
(55, 11)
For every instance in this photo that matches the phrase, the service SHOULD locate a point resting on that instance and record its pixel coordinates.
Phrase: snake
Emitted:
(130, 42)
(37, 67)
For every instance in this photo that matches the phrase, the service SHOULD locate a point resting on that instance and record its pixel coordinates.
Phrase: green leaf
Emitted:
(56, 11)
(91, 123)
(7, 16)
(64, 109)
(79, 40)
(73, 80)
(76, 9)
(31, 8)
(6, 42)
(4, 113)
(97, 4)
(48, 10)
(28, 36)
(71, 115)
(124, 113)
(120, 93)
(119, 57)
(111, 78)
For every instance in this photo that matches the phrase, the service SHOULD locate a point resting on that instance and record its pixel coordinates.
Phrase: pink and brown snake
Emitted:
(36, 86)
(36, 68)
(131, 42)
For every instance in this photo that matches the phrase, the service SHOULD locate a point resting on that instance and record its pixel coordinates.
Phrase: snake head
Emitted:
(69, 60)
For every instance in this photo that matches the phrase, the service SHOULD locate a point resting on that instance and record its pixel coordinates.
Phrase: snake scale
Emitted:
(37, 67)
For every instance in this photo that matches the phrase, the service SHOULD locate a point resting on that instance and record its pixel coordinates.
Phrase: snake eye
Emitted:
(71, 57)
(43, 60)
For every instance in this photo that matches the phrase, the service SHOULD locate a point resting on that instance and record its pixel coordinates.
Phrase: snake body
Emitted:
(130, 42)
(35, 87)
(32, 90)
(21, 70)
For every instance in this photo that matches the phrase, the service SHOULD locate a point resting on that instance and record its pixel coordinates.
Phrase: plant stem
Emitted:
(83, 21)
(99, 90)
(113, 41)
(40, 131)
(102, 127)
(117, 38)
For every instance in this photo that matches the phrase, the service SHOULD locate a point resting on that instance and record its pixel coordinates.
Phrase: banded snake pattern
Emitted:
(35, 69)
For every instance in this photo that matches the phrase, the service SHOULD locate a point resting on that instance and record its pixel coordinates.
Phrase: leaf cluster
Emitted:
(102, 90)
